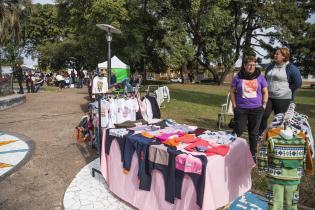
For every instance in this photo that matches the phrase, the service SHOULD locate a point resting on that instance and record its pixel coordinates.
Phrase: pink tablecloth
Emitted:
(226, 178)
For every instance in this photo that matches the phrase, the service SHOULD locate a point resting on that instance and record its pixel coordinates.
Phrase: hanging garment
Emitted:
(99, 85)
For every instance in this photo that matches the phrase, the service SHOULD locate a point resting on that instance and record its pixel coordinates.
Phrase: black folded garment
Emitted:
(130, 124)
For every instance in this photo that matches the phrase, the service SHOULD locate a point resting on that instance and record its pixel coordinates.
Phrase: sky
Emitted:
(43, 1)
(29, 62)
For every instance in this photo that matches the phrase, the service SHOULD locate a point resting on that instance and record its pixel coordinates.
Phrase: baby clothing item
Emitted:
(210, 149)
(188, 163)
(119, 132)
(159, 159)
(187, 138)
(165, 136)
(120, 135)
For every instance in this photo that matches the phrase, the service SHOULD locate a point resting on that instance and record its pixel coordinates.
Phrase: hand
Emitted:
(264, 106)
(234, 108)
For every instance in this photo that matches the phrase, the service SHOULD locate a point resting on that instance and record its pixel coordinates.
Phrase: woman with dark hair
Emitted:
(249, 97)
(283, 79)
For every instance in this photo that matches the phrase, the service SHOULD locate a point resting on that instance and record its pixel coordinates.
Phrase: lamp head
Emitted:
(109, 28)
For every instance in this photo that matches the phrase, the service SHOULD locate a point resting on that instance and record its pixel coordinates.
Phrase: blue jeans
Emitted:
(80, 83)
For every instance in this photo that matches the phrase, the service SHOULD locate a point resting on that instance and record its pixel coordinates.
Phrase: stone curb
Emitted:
(13, 100)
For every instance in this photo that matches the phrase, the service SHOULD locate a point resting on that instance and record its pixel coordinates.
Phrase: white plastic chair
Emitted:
(226, 110)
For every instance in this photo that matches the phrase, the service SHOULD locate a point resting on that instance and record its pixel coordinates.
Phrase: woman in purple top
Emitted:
(249, 96)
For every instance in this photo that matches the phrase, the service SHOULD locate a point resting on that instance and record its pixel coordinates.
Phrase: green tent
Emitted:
(121, 69)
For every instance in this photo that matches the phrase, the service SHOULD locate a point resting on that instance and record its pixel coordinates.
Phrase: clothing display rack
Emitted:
(99, 97)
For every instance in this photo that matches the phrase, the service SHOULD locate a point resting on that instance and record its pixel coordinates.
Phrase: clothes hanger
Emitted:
(287, 133)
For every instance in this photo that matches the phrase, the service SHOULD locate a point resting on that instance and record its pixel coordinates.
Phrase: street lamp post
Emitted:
(110, 30)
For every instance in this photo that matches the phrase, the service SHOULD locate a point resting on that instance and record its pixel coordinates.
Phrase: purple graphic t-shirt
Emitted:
(249, 92)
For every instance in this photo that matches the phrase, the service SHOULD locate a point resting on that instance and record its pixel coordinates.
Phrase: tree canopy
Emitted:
(12, 16)
(178, 34)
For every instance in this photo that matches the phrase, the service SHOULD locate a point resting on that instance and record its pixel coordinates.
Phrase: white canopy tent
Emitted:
(121, 70)
(115, 64)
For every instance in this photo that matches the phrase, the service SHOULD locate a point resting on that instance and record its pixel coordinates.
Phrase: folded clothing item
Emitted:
(165, 136)
(201, 148)
(188, 163)
(199, 131)
(129, 124)
(120, 132)
(221, 137)
(211, 149)
(187, 138)
(145, 128)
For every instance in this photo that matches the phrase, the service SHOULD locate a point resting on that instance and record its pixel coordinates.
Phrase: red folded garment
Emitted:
(199, 131)
(212, 150)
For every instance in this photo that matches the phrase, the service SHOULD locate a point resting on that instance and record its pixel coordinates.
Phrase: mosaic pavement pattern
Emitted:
(12, 151)
(91, 193)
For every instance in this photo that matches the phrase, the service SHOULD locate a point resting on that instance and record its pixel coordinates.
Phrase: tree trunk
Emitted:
(144, 71)
(223, 76)
(248, 36)
(182, 69)
(215, 75)
(0, 64)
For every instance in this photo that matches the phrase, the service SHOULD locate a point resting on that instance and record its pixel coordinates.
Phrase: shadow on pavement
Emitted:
(87, 151)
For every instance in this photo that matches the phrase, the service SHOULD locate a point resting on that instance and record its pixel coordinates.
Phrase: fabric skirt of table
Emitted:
(226, 178)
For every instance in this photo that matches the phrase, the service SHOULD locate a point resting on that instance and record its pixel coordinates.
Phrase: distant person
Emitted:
(67, 83)
(39, 83)
(113, 79)
(61, 81)
(81, 78)
(249, 95)
(29, 84)
(73, 76)
(19, 76)
(283, 79)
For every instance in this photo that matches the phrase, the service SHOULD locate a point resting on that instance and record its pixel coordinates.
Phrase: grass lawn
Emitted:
(199, 105)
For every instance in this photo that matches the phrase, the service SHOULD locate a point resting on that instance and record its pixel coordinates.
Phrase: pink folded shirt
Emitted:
(188, 163)
(165, 136)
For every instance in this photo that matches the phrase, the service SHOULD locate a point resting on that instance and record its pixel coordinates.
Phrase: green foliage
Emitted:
(303, 50)
(41, 27)
(12, 15)
(171, 33)
(60, 55)
(11, 54)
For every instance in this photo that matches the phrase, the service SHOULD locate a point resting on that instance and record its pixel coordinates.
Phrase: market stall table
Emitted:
(226, 178)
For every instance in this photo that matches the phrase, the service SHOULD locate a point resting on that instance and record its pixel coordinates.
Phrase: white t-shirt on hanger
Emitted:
(105, 106)
(100, 85)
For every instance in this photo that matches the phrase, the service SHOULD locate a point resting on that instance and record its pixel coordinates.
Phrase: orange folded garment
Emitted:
(187, 138)
(147, 135)
(171, 142)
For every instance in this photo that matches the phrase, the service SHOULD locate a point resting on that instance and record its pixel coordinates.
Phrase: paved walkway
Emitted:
(49, 119)
(91, 193)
